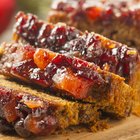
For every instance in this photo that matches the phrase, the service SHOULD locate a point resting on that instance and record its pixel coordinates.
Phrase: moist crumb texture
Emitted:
(32, 112)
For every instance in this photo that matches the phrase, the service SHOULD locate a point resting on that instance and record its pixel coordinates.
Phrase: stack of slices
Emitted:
(54, 76)
(117, 20)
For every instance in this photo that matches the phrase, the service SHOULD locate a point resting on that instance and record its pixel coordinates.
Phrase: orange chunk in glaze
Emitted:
(28, 52)
(41, 125)
(93, 12)
(9, 111)
(33, 104)
(76, 86)
(42, 58)
(31, 124)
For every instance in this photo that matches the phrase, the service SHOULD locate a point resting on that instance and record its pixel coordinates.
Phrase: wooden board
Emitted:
(128, 129)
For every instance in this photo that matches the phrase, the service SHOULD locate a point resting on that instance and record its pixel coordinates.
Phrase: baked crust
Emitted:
(31, 111)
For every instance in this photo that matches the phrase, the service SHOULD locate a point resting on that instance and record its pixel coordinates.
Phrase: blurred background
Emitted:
(8, 9)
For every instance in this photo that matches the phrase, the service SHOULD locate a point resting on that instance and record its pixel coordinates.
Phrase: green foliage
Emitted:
(38, 7)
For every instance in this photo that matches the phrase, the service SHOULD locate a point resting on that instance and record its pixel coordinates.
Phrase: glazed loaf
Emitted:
(31, 111)
(117, 20)
(69, 76)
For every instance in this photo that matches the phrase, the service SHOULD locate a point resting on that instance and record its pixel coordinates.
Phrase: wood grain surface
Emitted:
(128, 129)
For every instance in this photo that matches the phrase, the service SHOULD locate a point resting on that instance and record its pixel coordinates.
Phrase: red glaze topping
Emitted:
(127, 11)
(107, 54)
(42, 34)
(57, 71)
(91, 47)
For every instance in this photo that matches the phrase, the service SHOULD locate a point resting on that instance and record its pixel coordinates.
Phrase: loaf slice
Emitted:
(31, 111)
(117, 20)
(69, 76)
(109, 55)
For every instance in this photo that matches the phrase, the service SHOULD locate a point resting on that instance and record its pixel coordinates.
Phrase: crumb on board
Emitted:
(100, 126)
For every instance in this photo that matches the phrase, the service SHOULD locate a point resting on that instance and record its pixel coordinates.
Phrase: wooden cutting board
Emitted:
(128, 129)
